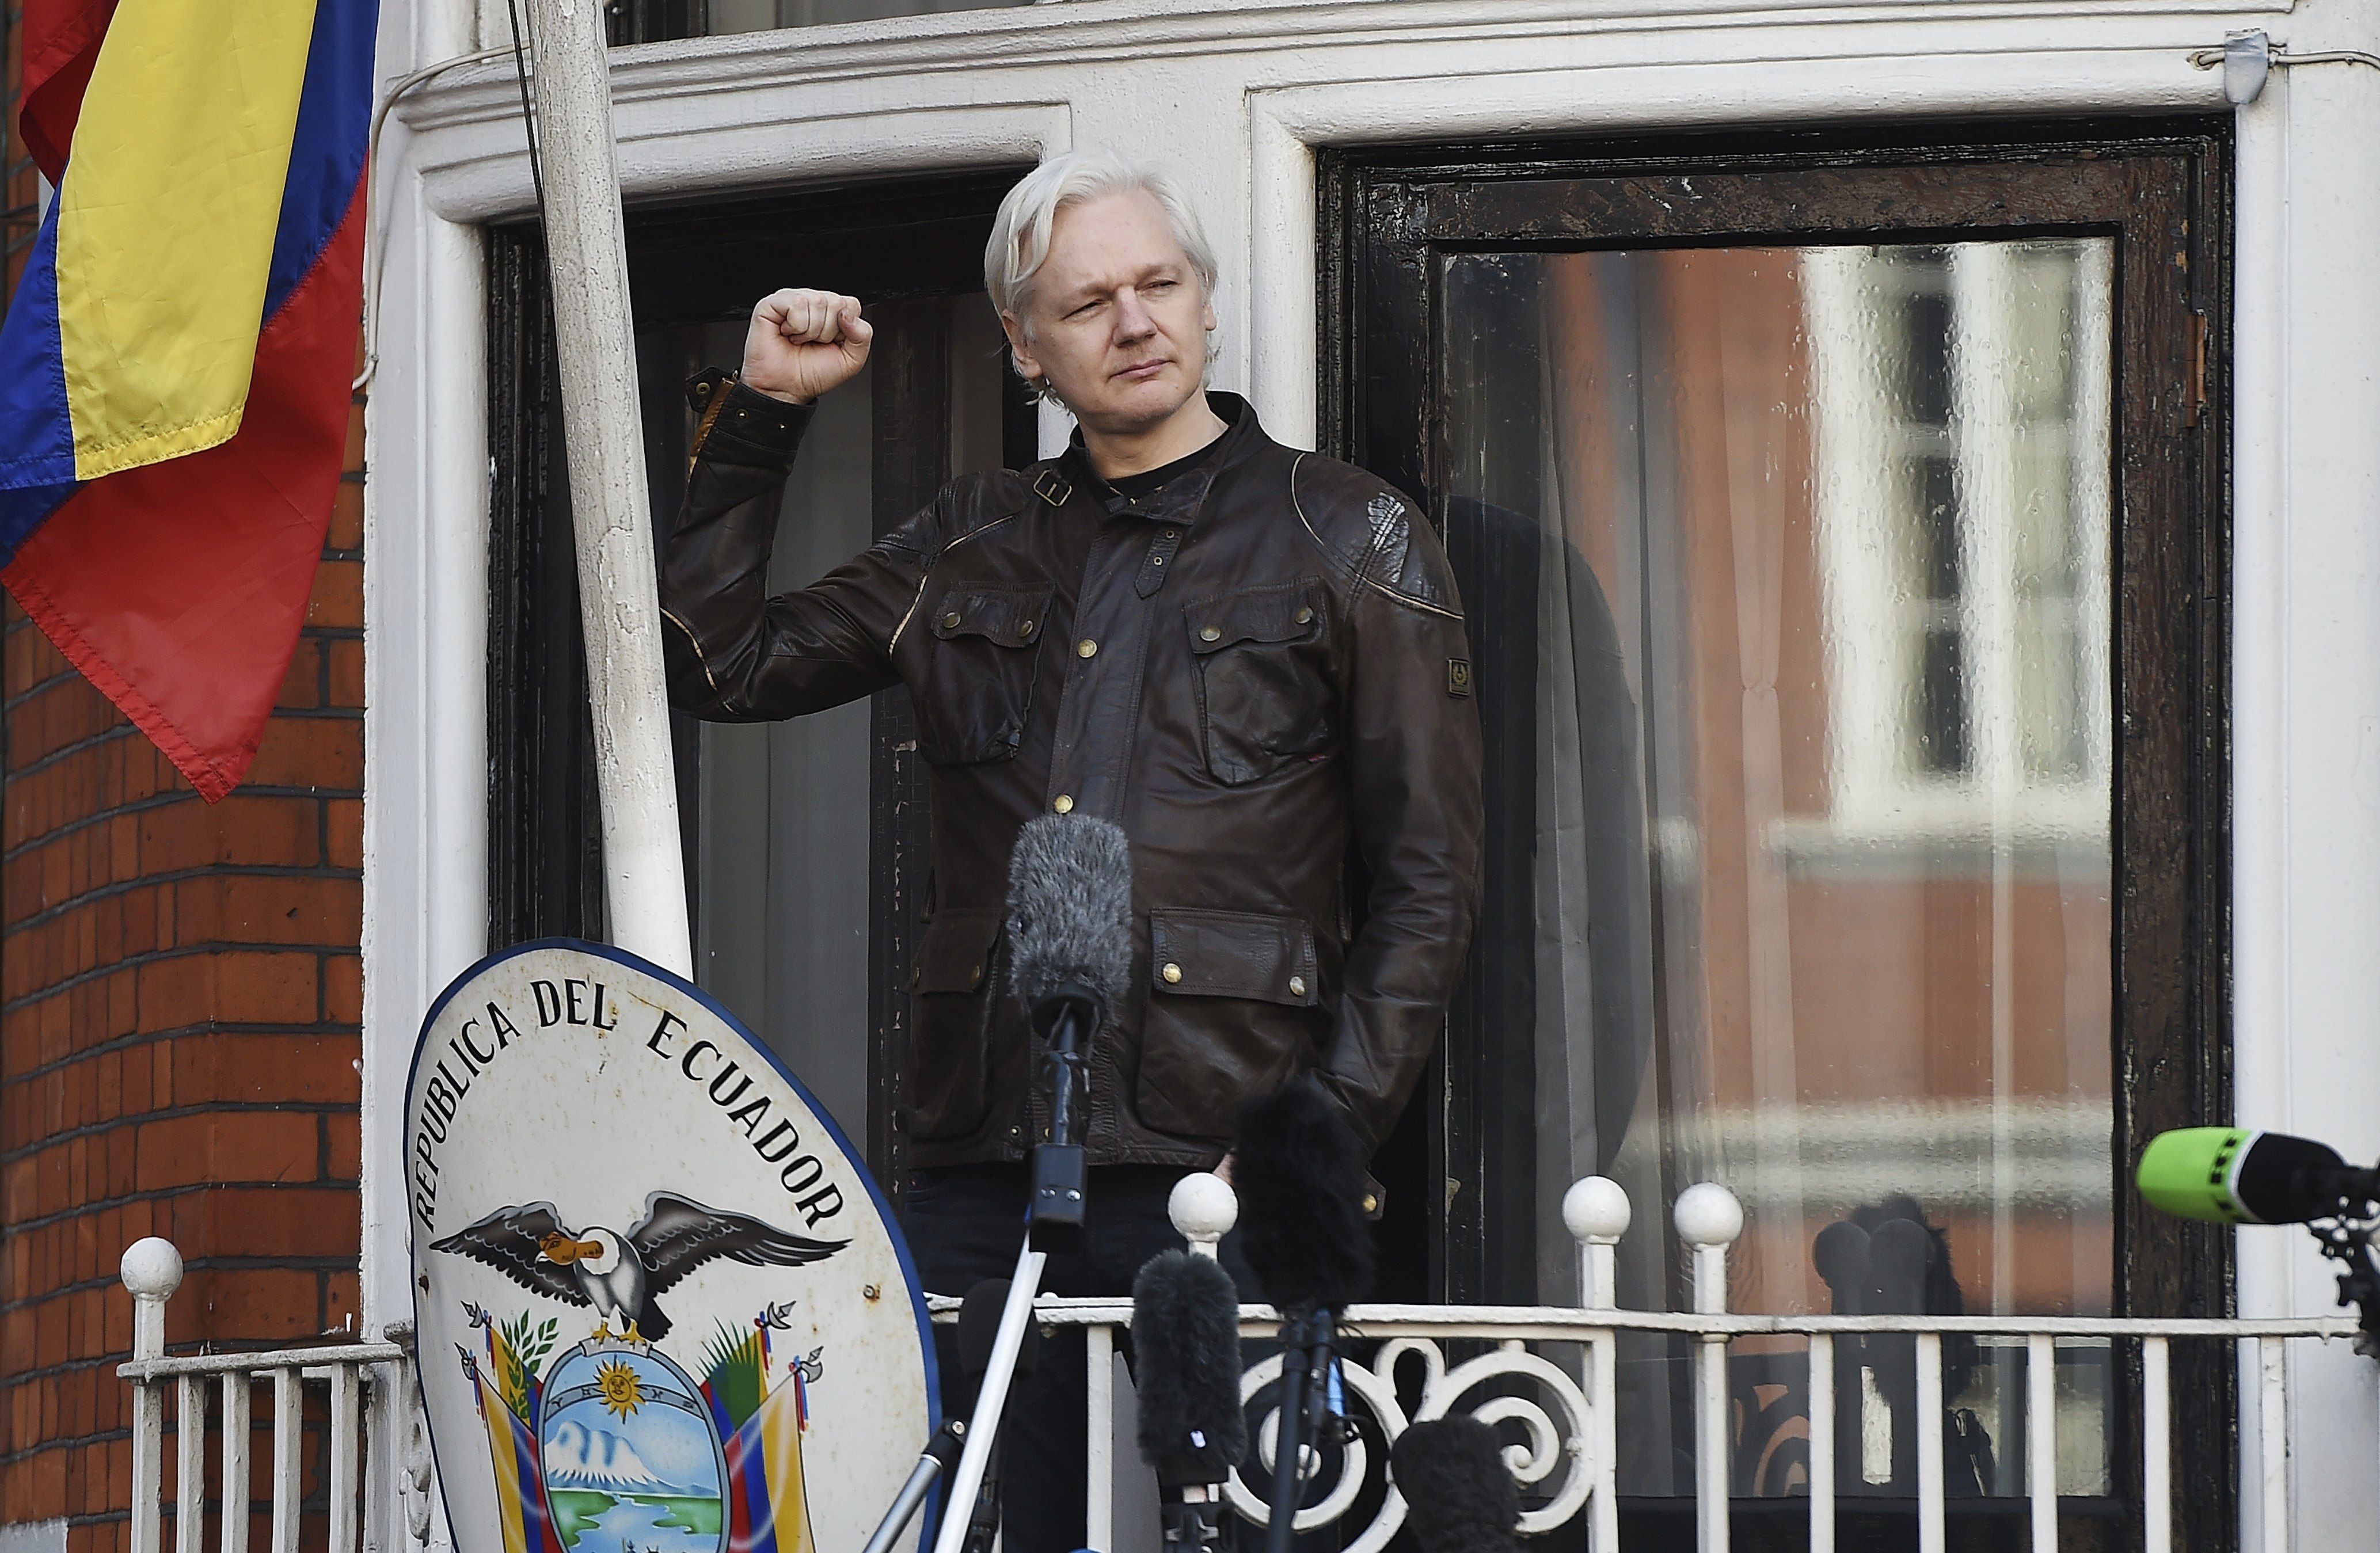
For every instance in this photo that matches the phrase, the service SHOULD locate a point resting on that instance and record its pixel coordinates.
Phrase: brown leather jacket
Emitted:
(1250, 671)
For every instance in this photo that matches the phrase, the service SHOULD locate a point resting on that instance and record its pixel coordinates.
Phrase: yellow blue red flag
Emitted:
(174, 365)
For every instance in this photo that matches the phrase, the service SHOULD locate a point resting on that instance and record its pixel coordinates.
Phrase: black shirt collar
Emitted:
(1176, 491)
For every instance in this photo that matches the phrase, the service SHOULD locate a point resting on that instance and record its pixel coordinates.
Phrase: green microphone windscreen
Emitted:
(2189, 1172)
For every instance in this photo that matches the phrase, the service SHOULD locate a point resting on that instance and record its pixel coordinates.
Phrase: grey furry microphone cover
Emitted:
(1070, 908)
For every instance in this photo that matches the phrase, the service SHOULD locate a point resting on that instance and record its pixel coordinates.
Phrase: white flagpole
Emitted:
(587, 256)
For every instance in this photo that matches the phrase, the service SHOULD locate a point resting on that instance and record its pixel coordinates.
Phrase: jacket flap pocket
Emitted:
(1286, 612)
(955, 953)
(1010, 616)
(1233, 954)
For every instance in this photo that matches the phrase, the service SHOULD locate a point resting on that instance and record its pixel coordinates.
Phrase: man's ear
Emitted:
(1020, 347)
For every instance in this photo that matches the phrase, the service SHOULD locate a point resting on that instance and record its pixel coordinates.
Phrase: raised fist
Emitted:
(804, 343)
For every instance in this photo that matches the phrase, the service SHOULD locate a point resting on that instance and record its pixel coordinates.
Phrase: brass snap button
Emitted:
(1025, 629)
(1210, 635)
(951, 621)
(1305, 617)
(1172, 973)
(1087, 649)
(1297, 986)
(1063, 804)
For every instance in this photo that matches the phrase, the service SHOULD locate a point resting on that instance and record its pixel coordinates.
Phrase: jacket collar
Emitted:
(1181, 499)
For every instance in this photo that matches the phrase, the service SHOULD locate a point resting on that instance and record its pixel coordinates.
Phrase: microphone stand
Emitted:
(1306, 1340)
(934, 1461)
(1054, 1221)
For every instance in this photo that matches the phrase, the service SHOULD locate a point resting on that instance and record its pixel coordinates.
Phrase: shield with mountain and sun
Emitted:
(679, 1315)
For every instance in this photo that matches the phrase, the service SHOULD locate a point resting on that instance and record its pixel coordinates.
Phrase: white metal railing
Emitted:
(378, 1456)
(368, 1409)
(1569, 1464)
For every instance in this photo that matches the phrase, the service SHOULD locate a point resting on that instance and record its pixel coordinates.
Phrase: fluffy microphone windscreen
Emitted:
(1299, 1173)
(1070, 909)
(1459, 1495)
(1185, 1339)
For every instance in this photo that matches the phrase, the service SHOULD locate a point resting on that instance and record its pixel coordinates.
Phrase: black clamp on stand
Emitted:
(2345, 1236)
(1054, 1217)
(1191, 1526)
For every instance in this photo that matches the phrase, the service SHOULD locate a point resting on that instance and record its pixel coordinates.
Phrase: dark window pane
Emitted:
(1926, 388)
(1937, 495)
(1942, 702)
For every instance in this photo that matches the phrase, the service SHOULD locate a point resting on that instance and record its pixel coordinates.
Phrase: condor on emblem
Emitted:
(676, 1315)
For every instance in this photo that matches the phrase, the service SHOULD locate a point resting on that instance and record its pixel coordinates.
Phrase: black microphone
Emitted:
(1299, 1171)
(1459, 1495)
(2234, 1175)
(1185, 1339)
(979, 1328)
(1070, 958)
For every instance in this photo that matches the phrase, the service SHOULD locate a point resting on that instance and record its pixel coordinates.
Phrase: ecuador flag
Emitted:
(175, 365)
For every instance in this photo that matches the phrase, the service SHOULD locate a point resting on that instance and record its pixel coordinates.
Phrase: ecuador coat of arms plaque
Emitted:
(661, 1305)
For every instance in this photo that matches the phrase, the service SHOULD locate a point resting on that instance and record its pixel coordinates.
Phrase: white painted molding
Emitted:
(722, 145)
(1286, 123)
(979, 88)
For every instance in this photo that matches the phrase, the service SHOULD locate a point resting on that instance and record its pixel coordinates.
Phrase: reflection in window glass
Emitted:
(1815, 543)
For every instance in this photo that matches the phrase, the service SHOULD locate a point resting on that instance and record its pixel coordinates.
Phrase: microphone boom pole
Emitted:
(1070, 957)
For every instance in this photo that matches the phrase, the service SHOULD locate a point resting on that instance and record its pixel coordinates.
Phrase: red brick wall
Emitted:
(180, 1007)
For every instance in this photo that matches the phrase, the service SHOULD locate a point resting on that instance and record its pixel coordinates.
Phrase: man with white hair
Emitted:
(1250, 657)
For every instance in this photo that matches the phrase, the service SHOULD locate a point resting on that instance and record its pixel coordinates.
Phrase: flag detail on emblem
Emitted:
(512, 1449)
(761, 1429)
(175, 365)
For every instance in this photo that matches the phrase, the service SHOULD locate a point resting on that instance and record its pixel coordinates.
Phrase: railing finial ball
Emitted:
(1596, 1210)
(1203, 1208)
(152, 1267)
(1708, 1214)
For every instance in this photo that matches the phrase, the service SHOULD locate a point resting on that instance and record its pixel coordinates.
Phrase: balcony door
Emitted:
(806, 842)
(1840, 532)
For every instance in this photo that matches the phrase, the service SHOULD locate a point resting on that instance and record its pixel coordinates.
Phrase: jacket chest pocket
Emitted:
(976, 687)
(1267, 697)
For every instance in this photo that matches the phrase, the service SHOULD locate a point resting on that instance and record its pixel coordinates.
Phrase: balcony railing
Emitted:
(364, 1410)
(1569, 1466)
(378, 1469)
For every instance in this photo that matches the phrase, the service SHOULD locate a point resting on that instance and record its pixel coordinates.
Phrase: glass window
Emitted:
(646, 22)
(1839, 528)
(757, 16)
(1829, 526)
(1816, 545)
